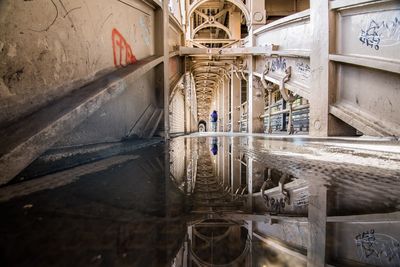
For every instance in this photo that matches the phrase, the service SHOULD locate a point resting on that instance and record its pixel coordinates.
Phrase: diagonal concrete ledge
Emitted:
(24, 141)
(367, 126)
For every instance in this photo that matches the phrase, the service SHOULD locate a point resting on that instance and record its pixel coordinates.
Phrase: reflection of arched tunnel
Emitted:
(229, 240)
(202, 126)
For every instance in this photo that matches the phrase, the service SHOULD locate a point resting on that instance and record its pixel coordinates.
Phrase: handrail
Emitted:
(296, 108)
(273, 105)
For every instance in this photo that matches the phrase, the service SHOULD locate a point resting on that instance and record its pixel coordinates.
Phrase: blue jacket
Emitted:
(214, 116)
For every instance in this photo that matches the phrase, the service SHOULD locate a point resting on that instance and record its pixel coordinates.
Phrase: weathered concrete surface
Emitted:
(49, 48)
(113, 120)
(30, 137)
(56, 159)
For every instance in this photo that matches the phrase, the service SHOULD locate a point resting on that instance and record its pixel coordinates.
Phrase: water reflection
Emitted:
(298, 203)
(226, 201)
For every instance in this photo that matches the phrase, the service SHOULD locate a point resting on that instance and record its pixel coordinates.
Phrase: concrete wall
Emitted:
(48, 48)
(114, 120)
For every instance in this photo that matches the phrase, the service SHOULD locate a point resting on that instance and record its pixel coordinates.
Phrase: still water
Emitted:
(212, 201)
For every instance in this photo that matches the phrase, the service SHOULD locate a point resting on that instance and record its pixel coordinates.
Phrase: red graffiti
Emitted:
(123, 55)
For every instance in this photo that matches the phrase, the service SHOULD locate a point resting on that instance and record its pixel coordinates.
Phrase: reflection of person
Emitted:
(214, 149)
(214, 119)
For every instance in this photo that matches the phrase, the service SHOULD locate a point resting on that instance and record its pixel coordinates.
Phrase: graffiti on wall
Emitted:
(374, 248)
(303, 69)
(302, 199)
(122, 51)
(278, 64)
(381, 33)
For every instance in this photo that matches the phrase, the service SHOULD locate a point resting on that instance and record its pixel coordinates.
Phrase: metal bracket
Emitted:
(282, 82)
(265, 72)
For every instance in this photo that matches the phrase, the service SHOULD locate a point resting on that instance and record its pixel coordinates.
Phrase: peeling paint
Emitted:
(12, 50)
(144, 24)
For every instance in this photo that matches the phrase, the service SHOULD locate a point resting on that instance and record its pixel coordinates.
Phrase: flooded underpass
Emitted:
(207, 200)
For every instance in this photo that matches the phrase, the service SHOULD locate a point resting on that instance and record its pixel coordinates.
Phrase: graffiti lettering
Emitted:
(303, 69)
(386, 33)
(373, 246)
(301, 200)
(122, 51)
(278, 64)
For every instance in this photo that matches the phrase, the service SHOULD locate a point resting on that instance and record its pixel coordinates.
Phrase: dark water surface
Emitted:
(225, 201)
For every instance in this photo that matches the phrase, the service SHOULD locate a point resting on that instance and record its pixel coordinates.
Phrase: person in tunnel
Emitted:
(214, 119)
(214, 146)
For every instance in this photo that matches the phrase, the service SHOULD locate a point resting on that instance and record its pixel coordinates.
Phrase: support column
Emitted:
(235, 165)
(257, 109)
(319, 61)
(234, 24)
(255, 96)
(220, 159)
(225, 85)
(317, 208)
(249, 180)
(186, 100)
(166, 67)
(235, 100)
(250, 92)
(225, 162)
(269, 108)
(221, 111)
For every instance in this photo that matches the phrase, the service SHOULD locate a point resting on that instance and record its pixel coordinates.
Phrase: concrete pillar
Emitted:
(319, 68)
(234, 24)
(269, 127)
(235, 102)
(317, 209)
(221, 111)
(186, 90)
(225, 161)
(249, 181)
(255, 96)
(235, 165)
(255, 105)
(166, 67)
(225, 86)
(250, 92)
(220, 159)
